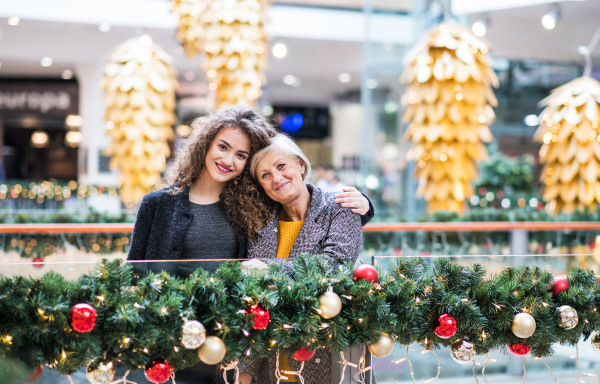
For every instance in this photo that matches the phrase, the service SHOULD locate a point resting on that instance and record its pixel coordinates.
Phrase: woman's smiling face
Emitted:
(227, 155)
(280, 176)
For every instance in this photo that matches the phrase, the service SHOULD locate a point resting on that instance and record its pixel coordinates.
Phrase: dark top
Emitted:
(160, 230)
(210, 236)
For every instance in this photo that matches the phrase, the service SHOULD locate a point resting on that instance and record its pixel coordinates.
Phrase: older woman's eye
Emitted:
(264, 175)
(281, 166)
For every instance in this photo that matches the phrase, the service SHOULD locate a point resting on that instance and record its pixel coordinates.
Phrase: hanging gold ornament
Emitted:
(571, 145)
(330, 304)
(190, 31)
(523, 325)
(193, 334)
(212, 350)
(103, 374)
(449, 101)
(463, 351)
(567, 316)
(139, 84)
(382, 347)
(230, 34)
(595, 341)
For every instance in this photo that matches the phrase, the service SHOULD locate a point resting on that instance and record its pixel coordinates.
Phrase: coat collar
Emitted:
(310, 229)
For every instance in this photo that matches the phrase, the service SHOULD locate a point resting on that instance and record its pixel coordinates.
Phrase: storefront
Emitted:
(39, 128)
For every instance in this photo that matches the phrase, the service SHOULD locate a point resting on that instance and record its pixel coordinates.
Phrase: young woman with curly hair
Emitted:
(211, 206)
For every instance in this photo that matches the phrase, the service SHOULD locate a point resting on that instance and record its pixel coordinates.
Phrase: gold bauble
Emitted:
(568, 316)
(462, 351)
(330, 305)
(382, 347)
(212, 350)
(103, 374)
(523, 325)
(595, 340)
(193, 334)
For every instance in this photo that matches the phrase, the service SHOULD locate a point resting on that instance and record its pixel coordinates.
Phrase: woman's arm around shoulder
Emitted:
(143, 226)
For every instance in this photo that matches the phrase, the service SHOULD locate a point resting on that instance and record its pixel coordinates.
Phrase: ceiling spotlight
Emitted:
(279, 50)
(189, 76)
(549, 20)
(46, 62)
(344, 77)
(14, 20)
(531, 120)
(290, 79)
(67, 74)
(73, 138)
(145, 40)
(480, 27)
(39, 139)
(74, 121)
(372, 84)
(104, 27)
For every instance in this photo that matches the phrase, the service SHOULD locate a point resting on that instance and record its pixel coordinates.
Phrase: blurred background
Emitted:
(430, 107)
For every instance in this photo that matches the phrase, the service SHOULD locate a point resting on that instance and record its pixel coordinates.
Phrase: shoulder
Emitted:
(325, 202)
(162, 196)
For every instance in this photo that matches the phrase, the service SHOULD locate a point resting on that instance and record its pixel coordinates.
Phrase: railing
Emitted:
(497, 226)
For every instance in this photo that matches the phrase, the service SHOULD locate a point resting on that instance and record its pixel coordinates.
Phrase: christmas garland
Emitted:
(116, 315)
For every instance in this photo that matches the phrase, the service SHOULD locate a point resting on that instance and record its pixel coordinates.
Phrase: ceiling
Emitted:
(515, 33)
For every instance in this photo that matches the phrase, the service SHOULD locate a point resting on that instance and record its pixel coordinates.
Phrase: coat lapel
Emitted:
(268, 238)
(311, 234)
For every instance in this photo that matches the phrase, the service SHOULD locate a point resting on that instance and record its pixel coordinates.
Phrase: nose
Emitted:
(228, 159)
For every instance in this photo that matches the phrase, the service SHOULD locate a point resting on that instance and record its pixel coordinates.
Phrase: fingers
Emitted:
(349, 189)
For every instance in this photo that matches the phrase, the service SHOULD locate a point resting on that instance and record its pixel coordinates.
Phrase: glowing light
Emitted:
(279, 50)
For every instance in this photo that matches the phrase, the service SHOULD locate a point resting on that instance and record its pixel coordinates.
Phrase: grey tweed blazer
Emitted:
(328, 229)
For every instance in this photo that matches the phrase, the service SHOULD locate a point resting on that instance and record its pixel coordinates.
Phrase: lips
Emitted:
(282, 186)
(223, 168)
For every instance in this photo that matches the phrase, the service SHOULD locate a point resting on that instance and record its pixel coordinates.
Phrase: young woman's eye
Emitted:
(222, 147)
(241, 156)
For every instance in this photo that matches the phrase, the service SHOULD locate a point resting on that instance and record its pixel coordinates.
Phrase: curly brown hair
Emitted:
(245, 205)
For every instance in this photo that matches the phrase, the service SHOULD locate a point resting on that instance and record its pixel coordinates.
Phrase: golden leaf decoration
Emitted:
(448, 101)
(139, 84)
(571, 145)
(230, 35)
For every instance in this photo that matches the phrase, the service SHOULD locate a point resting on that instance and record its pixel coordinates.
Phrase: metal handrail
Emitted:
(492, 226)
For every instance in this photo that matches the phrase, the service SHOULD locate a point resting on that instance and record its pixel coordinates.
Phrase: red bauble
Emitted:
(445, 326)
(519, 349)
(38, 262)
(35, 375)
(158, 370)
(303, 354)
(366, 272)
(558, 285)
(82, 317)
(262, 317)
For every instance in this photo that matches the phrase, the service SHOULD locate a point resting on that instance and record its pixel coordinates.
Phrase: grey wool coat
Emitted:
(328, 229)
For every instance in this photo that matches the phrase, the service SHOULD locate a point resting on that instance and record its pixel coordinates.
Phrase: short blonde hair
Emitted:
(284, 144)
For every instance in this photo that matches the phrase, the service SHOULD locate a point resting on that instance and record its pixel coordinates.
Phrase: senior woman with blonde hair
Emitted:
(306, 220)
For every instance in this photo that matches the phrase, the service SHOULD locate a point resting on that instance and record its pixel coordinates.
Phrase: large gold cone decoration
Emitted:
(190, 31)
(230, 33)
(140, 86)
(449, 101)
(571, 150)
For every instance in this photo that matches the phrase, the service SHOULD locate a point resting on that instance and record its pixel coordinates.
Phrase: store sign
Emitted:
(38, 97)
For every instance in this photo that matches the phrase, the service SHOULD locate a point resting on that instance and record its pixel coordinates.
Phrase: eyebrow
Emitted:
(229, 145)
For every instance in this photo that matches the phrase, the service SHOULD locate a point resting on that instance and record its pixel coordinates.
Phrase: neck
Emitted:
(205, 190)
(297, 209)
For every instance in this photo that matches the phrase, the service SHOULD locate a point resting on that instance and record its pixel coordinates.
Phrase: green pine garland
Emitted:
(136, 324)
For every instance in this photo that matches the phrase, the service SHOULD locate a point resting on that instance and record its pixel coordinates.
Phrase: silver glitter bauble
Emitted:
(595, 340)
(463, 351)
(568, 316)
(103, 374)
(194, 334)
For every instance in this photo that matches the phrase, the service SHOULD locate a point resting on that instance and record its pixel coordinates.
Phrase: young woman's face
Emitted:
(227, 154)
(280, 176)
